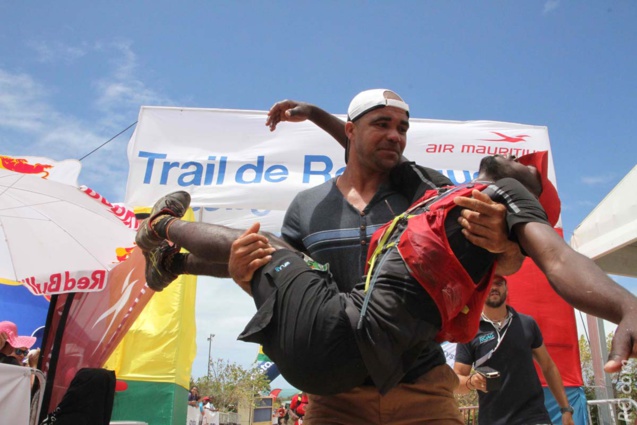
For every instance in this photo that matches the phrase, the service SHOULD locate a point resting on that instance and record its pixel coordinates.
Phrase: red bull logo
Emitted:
(67, 282)
(21, 165)
(124, 214)
(123, 253)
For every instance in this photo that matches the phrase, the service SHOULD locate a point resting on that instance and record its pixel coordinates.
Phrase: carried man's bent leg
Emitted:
(163, 234)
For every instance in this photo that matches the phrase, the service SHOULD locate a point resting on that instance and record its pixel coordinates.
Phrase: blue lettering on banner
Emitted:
(312, 167)
(459, 176)
(273, 174)
(214, 170)
(316, 169)
(191, 173)
(486, 338)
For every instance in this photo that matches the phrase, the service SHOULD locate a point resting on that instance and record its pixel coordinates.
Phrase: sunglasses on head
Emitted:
(21, 352)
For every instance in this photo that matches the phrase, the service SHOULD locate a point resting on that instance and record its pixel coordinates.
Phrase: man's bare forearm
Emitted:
(509, 261)
(329, 123)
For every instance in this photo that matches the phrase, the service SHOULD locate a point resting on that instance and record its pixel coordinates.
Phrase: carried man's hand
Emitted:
(247, 253)
(288, 110)
(624, 344)
(484, 224)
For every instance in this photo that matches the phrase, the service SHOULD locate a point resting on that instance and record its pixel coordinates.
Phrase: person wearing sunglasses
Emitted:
(15, 348)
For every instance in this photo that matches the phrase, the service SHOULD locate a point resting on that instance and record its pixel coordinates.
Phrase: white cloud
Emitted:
(27, 111)
(598, 180)
(123, 88)
(23, 104)
(37, 118)
(50, 52)
(550, 6)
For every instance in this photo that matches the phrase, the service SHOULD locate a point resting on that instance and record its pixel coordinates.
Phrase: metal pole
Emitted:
(209, 347)
(599, 352)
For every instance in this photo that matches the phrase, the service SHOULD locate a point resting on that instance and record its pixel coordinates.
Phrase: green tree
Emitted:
(229, 384)
(470, 416)
(587, 368)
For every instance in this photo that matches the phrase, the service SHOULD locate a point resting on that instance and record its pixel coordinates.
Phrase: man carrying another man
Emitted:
(376, 142)
(352, 207)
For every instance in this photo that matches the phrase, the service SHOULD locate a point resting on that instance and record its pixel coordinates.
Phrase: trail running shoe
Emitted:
(158, 276)
(174, 204)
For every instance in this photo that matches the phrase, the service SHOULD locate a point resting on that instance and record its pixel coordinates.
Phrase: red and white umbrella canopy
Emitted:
(54, 237)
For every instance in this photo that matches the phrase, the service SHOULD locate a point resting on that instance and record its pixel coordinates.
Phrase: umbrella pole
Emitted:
(54, 347)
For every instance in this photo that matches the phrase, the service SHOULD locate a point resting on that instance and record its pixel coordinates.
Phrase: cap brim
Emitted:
(22, 341)
(549, 198)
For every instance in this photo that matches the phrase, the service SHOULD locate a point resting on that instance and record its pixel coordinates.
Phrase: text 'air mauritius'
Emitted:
(68, 282)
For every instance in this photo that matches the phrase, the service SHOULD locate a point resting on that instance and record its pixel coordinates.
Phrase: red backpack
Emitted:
(424, 247)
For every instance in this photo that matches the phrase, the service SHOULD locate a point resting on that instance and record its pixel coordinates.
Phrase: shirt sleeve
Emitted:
(291, 229)
(538, 340)
(463, 354)
(413, 180)
(522, 206)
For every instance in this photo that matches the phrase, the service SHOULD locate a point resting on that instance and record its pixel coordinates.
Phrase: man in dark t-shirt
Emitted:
(509, 342)
(344, 211)
(311, 330)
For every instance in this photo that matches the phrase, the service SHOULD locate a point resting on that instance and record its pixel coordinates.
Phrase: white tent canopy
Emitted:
(609, 234)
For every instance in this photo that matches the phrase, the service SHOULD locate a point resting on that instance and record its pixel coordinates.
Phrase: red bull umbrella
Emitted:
(54, 237)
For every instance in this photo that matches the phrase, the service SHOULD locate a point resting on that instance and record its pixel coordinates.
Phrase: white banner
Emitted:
(197, 416)
(449, 348)
(15, 390)
(238, 172)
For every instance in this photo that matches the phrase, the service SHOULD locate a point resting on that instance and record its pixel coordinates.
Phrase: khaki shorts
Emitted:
(429, 400)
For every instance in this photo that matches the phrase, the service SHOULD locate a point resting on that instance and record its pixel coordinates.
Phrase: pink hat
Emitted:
(12, 336)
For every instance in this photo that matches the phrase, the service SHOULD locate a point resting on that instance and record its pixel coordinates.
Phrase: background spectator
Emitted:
(14, 348)
(193, 397)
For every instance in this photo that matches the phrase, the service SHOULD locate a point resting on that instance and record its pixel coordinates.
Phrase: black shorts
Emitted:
(398, 326)
(303, 326)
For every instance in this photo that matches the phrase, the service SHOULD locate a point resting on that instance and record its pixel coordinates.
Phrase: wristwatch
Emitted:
(567, 409)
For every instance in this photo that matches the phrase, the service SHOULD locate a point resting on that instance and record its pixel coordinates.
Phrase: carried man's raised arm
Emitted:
(482, 220)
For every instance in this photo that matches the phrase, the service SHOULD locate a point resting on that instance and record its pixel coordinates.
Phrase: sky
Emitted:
(74, 74)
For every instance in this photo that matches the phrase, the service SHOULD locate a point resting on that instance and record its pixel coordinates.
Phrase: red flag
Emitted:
(530, 293)
(96, 323)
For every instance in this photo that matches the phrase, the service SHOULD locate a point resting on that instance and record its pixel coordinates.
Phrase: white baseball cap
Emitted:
(369, 100)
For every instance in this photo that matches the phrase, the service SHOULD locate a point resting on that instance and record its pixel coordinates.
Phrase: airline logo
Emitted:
(506, 138)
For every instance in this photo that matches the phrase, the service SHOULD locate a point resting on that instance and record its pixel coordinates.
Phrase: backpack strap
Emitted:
(390, 239)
